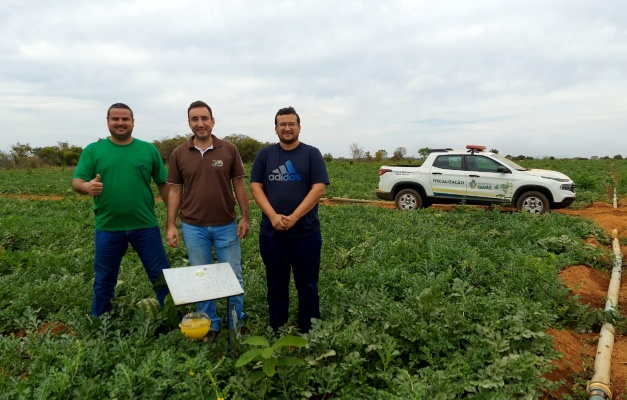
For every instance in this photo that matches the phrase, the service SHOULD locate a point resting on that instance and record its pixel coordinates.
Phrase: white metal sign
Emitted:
(201, 283)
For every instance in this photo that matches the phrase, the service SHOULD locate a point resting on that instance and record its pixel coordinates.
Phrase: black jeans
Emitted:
(300, 254)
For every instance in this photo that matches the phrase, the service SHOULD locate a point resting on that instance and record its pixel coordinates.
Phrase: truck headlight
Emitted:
(556, 179)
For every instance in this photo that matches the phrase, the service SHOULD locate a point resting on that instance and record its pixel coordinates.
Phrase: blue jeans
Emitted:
(111, 247)
(199, 241)
(300, 255)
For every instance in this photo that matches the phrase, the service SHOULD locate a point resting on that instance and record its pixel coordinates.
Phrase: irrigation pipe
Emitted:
(345, 200)
(599, 385)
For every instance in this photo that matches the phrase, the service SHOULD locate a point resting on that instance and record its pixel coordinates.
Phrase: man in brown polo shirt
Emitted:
(203, 173)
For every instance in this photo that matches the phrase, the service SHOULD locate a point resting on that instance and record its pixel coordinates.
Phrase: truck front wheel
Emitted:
(533, 202)
(408, 199)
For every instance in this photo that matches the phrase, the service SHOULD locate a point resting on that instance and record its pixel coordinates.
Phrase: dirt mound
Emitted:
(590, 285)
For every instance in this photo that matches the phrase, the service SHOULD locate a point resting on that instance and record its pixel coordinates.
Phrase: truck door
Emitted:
(484, 182)
(448, 177)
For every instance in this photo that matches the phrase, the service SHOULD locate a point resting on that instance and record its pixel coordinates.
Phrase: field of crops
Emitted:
(427, 304)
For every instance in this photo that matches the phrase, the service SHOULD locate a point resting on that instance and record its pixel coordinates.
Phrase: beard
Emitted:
(293, 140)
(121, 136)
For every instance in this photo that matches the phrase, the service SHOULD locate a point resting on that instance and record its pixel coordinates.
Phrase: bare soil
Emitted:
(30, 197)
(579, 349)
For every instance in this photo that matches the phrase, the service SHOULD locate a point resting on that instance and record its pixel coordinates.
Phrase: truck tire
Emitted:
(408, 199)
(533, 202)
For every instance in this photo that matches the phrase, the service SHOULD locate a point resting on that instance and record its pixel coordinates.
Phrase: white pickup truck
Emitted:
(473, 176)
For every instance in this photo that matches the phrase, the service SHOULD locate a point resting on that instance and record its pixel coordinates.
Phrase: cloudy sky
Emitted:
(536, 77)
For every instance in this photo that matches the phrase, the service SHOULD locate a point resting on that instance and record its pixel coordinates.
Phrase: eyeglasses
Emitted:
(286, 124)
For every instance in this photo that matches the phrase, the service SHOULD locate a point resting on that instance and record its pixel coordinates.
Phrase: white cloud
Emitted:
(526, 77)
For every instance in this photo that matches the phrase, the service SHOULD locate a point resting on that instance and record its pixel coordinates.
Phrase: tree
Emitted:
(62, 154)
(49, 155)
(424, 152)
(399, 153)
(357, 152)
(167, 145)
(328, 157)
(21, 151)
(618, 157)
(368, 156)
(495, 151)
(69, 153)
(380, 155)
(23, 155)
(6, 161)
(247, 146)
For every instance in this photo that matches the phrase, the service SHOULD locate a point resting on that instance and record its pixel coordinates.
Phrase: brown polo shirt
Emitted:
(207, 198)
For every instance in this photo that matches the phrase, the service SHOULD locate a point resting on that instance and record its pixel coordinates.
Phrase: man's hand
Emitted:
(93, 187)
(243, 227)
(173, 236)
(289, 221)
(278, 222)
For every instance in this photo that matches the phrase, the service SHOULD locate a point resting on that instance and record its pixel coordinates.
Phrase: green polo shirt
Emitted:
(127, 201)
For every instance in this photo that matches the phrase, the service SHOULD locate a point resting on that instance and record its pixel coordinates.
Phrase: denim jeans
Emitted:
(111, 247)
(199, 241)
(300, 255)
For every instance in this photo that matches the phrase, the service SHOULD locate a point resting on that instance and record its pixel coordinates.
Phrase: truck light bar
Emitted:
(475, 147)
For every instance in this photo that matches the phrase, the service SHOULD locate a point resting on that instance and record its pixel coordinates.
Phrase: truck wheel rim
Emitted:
(533, 205)
(407, 202)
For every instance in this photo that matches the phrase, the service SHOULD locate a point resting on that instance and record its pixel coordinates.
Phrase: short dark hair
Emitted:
(199, 104)
(119, 105)
(287, 111)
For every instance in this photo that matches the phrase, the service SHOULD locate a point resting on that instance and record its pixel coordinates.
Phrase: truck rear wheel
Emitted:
(533, 202)
(408, 199)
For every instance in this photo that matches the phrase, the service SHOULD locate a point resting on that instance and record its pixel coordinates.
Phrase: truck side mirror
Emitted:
(503, 170)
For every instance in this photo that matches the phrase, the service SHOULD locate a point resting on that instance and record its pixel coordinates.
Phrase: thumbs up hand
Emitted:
(94, 187)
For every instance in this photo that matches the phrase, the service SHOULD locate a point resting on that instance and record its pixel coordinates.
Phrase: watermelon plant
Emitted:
(430, 304)
(268, 354)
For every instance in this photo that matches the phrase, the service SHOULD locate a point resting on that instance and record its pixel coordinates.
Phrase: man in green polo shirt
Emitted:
(117, 172)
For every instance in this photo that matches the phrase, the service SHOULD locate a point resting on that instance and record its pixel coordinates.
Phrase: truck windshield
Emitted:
(509, 163)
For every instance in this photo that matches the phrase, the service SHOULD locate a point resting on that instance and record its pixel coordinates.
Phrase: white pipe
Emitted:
(614, 289)
(615, 200)
(344, 199)
(599, 385)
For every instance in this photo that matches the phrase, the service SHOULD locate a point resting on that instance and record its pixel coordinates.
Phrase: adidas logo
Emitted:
(284, 173)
